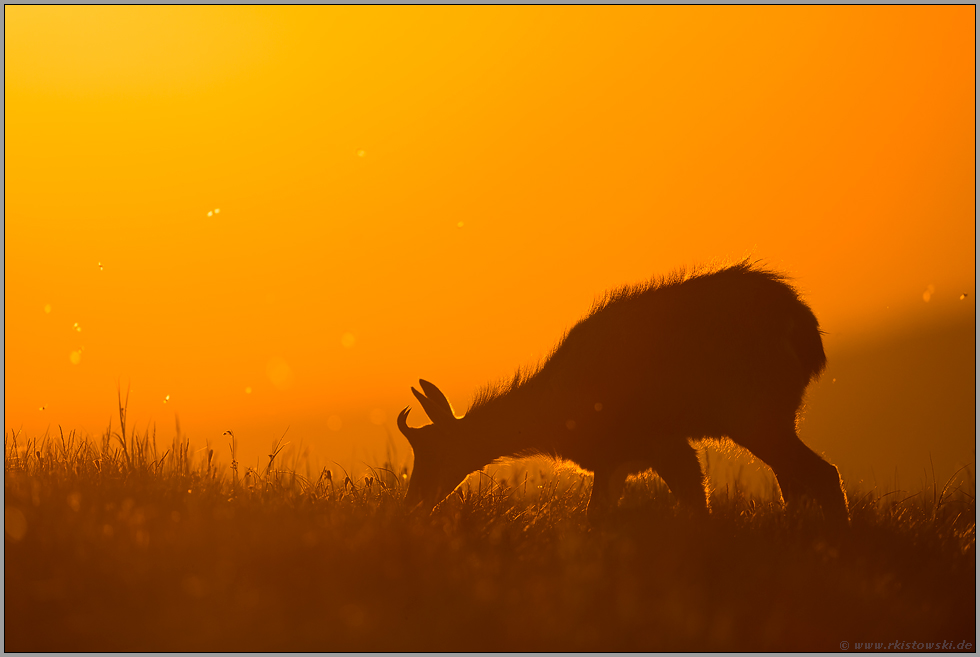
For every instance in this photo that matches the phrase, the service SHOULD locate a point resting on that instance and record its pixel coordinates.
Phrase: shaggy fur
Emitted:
(715, 353)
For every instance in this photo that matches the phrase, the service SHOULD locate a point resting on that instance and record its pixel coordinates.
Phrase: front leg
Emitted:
(607, 488)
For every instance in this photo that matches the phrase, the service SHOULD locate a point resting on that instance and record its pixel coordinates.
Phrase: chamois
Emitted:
(716, 353)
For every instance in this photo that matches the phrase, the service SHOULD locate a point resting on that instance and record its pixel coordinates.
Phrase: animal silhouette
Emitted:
(718, 353)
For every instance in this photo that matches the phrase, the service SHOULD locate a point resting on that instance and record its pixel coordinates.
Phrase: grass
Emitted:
(112, 544)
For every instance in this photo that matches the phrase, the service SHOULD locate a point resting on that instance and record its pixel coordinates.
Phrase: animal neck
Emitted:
(510, 425)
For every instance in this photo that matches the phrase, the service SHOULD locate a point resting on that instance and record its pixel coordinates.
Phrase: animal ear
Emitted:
(436, 395)
(435, 405)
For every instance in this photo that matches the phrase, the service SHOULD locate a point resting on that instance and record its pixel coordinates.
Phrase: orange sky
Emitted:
(440, 192)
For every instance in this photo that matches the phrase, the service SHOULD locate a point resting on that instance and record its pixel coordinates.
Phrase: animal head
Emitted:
(440, 461)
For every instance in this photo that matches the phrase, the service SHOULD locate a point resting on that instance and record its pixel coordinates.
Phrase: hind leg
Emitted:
(678, 465)
(798, 469)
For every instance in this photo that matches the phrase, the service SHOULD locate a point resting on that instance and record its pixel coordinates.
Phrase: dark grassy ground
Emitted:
(107, 549)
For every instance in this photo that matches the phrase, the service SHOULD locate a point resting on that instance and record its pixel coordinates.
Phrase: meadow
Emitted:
(113, 543)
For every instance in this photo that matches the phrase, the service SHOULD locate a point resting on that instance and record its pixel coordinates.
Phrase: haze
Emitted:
(282, 217)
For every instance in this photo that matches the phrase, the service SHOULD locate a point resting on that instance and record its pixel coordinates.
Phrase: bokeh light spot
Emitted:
(47, 307)
(75, 357)
(347, 339)
(14, 522)
(280, 373)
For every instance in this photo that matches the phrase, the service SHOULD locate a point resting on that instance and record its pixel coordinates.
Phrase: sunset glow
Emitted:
(295, 213)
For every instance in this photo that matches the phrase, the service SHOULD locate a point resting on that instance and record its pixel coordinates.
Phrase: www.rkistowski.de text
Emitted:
(907, 645)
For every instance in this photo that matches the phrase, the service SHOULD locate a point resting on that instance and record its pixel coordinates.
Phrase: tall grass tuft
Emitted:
(113, 543)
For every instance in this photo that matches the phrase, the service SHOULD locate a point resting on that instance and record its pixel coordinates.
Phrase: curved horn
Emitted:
(402, 423)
